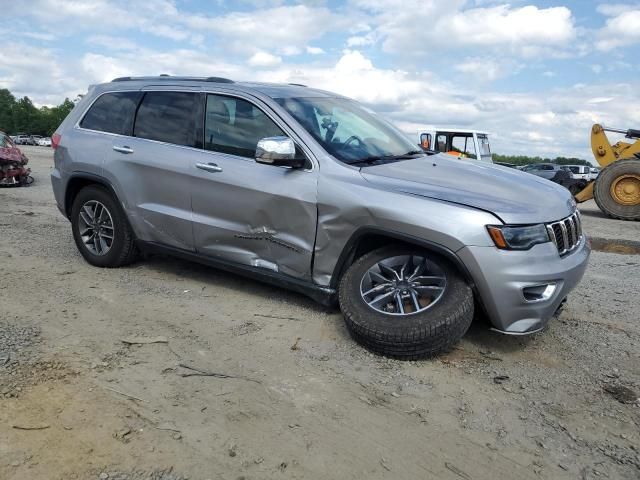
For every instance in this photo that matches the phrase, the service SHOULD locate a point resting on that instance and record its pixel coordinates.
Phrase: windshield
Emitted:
(348, 131)
(485, 150)
(5, 141)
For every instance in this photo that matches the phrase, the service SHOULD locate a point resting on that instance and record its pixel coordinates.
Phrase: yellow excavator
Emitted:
(616, 190)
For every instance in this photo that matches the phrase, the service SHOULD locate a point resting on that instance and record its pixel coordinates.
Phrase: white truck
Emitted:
(457, 142)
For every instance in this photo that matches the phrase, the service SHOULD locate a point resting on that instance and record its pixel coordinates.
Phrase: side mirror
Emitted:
(425, 141)
(278, 151)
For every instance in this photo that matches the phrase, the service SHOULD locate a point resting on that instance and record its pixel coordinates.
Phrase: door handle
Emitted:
(209, 167)
(123, 149)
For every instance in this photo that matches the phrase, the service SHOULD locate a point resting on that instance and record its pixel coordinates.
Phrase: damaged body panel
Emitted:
(13, 164)
(180, 157)
(256, 214)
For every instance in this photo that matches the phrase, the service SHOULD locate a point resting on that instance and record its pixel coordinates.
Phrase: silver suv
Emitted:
(313, 192)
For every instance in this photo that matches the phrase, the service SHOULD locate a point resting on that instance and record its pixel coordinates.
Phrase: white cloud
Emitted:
(315, 50)
(614, 9)
(112, 42)
(264, 59)
(526, 26)
(417, 26)
(270, 28)
(484, 43)
(156, 17)
(485, 69)
(361, 40)
(621, 30)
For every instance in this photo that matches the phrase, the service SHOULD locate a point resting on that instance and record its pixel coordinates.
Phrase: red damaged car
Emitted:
(13, 164)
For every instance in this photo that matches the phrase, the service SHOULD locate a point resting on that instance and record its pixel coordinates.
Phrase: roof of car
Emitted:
(274, 90)
(453, 130)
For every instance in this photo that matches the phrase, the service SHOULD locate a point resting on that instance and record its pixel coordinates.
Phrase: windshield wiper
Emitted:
(382, 158)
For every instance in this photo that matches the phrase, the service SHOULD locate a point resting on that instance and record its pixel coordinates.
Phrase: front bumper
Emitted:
(501, 276)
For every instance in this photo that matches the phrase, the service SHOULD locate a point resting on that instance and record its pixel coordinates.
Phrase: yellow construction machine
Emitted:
(616, 190)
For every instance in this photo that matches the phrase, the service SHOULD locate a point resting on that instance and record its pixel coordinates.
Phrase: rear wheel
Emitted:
(100, 229)
(617, 190)
(405, 303)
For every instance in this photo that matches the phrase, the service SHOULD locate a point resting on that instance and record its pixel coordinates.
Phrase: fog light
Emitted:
(539, 293)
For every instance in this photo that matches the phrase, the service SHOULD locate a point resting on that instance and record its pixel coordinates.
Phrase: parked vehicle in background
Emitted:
(544, 170)
(510, 165)
(311, 191)
(23, 139)
(13, 164)
(44, 142)
(579, 172)
(35, 139)
(459, 143)
(594, 172)
(560, 174)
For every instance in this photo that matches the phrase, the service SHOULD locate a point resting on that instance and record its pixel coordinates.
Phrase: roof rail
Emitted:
(298, 85)
(219, 80)
(165, 76)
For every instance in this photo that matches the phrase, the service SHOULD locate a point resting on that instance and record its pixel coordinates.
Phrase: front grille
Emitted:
(566, 233)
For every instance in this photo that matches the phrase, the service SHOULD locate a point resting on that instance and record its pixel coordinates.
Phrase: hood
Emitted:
(513, 196)
(13, 155)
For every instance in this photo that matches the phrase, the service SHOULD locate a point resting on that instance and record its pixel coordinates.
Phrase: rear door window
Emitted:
(169, 117)
(112, 113)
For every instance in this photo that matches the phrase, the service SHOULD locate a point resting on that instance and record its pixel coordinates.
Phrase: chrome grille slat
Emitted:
(574, 229)
(566, 234)
(565, 237)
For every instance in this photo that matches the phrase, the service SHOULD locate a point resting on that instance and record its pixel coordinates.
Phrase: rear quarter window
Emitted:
(112, 113)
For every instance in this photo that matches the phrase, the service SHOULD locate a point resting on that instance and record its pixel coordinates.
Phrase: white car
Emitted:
(44, 142)
(578, 172)
(594, 172)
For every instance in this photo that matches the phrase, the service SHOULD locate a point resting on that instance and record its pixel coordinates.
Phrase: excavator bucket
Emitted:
(585, 194)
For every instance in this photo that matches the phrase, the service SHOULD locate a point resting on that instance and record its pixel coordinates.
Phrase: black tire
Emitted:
(417, 335)
(602, 190)
(123, 250)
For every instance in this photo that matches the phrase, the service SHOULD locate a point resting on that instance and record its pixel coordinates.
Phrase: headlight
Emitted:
(518, 238)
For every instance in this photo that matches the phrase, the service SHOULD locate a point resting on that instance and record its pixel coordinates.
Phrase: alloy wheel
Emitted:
(403, 285)
(96, 227)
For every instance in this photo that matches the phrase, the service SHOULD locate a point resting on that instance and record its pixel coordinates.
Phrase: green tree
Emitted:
(7, 105)
(22, 116)
(525, 160)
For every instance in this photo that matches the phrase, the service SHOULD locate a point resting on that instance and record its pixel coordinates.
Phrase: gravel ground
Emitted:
(306, 401)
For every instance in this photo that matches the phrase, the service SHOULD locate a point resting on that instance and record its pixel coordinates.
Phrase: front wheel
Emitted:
(405, 303)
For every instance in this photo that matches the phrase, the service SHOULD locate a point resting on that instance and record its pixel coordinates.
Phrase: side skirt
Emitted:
(324, 295)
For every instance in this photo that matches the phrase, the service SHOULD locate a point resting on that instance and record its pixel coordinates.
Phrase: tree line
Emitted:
(525, 160)
(22, 116)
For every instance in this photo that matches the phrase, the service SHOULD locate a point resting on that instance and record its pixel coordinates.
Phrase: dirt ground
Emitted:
(303, 400)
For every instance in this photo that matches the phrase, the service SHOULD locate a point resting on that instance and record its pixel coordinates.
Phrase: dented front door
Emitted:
(255, 214)
(250, 213)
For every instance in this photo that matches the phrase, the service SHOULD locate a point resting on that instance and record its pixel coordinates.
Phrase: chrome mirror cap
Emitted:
(274, 149)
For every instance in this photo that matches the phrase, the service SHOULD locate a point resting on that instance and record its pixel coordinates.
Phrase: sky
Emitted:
(534, 74)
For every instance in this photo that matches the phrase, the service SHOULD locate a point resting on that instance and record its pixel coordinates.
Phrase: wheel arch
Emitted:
(367, 239)
(80, 180)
